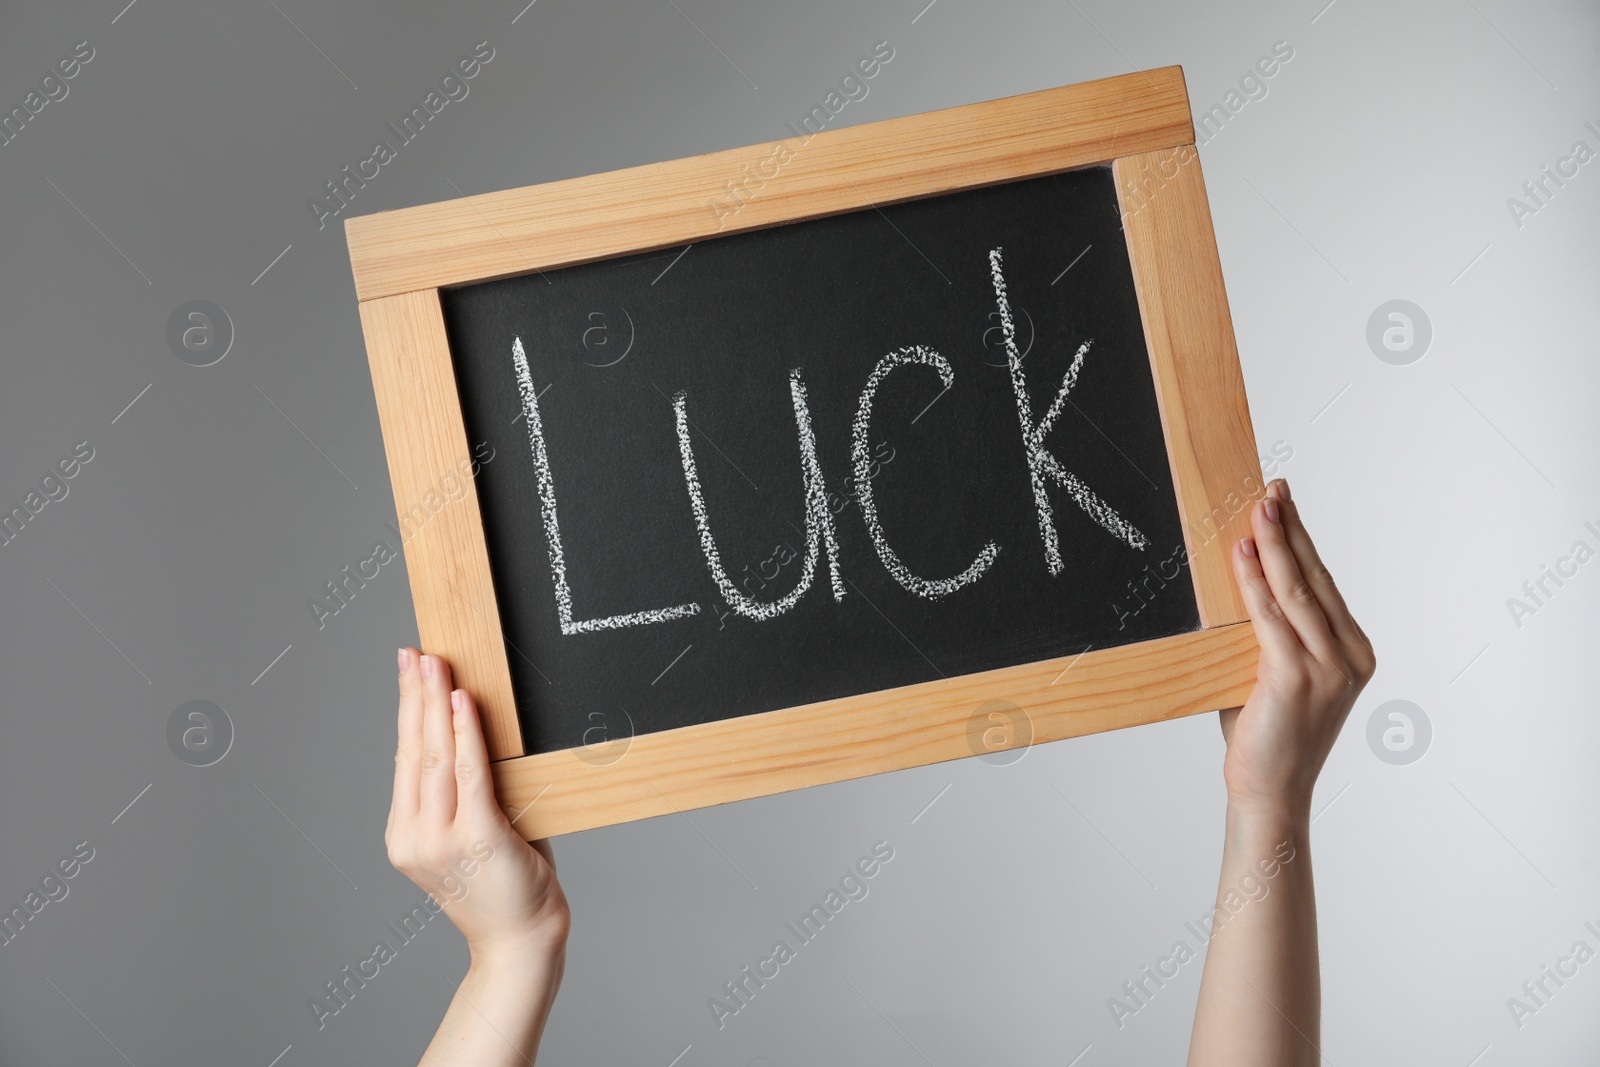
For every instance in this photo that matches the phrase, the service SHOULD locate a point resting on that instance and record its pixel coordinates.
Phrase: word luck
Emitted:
(1045, 471)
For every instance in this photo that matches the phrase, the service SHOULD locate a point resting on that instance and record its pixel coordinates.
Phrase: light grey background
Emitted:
(179, 166)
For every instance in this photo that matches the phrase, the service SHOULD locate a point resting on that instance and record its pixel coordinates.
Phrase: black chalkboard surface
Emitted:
(708, 404)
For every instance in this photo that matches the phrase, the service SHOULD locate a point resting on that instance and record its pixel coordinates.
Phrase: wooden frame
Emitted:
(1139, 123)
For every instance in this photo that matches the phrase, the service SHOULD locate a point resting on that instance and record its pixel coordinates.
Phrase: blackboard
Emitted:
(710, 347)
(731, 340)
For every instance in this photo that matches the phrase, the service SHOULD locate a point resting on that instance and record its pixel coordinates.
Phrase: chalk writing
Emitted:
(1040, 462)
(1044, 470)
(819, 518)
(932, 589)
(552, 529)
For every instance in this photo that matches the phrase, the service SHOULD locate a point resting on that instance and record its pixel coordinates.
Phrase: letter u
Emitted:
(819, 519)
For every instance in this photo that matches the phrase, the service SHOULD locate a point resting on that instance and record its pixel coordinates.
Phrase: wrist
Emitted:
(1269, 814)
(534, 956)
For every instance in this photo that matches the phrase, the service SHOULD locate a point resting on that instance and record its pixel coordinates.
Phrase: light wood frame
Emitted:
(1139, 123)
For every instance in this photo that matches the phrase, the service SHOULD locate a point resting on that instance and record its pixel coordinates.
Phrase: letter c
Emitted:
(930, 588)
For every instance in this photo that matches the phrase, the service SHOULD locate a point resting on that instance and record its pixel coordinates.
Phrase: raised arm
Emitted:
(1260, 995)
(447, 834)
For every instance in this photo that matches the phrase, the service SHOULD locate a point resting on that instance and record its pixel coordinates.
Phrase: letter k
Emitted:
(1042, 466)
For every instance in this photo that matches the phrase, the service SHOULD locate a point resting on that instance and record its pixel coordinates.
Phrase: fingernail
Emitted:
(458, 701)
(1285, 483)
(1272, 510)
(429, 667)
(1248, 546)
(405, 661)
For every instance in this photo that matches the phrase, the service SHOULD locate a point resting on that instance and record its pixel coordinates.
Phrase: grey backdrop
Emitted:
(1377, 167)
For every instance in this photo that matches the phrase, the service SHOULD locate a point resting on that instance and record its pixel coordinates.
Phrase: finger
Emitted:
(438, 743)
(1340, 621)
(542, 847)
(408, 751)
(1273, 632)
(474, 786)
(1289, 587)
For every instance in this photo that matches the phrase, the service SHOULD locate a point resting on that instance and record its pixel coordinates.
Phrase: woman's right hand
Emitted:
(1314, 662)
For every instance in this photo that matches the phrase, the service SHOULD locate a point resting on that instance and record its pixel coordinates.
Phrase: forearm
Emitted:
(498, 1013)
(1260, 994)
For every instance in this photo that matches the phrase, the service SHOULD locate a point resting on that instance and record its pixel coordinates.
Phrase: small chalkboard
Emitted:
(818, 460)
(910, 455)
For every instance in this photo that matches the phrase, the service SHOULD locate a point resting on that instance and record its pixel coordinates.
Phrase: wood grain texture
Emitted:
(757, 755)
(662, 205)
(426, 442)
(400, 258)
(1199, 385)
